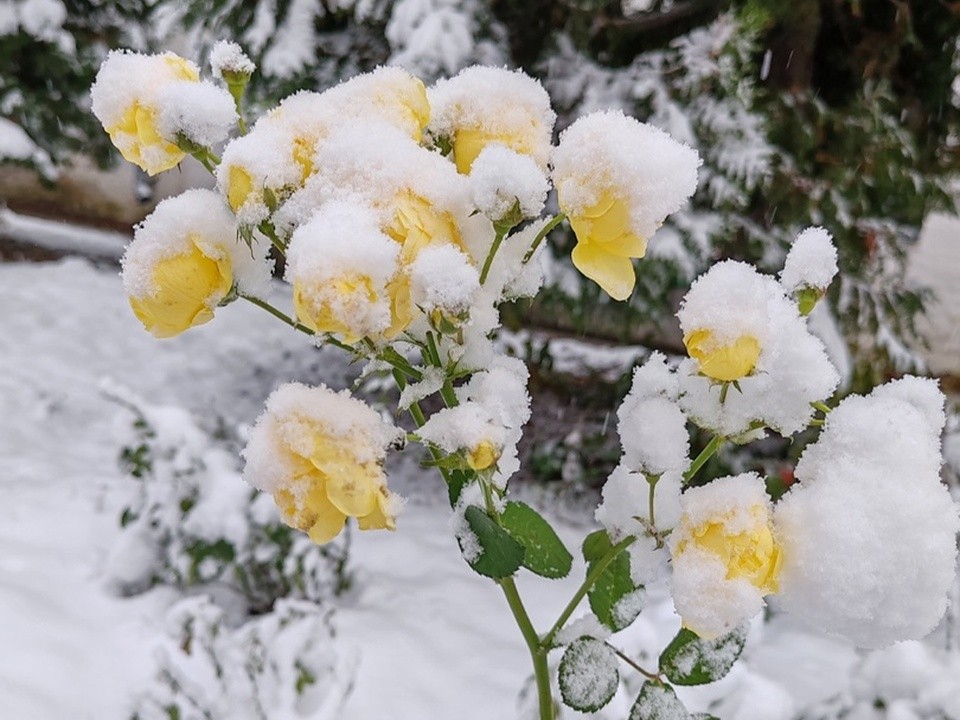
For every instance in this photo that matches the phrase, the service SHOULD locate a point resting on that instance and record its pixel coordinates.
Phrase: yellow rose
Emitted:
(725, 554)
(320, 454)
(351, 291)
(483, 455)
(751, 554)
(418, 224)
(605, 243)
(468, 143)
(188, 286)
(124, 99)
(726, 362)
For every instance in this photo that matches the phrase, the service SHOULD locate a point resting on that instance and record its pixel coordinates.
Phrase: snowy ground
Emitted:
(431, 639)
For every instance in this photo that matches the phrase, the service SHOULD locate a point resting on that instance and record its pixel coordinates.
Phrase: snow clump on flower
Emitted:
(811, 262)
(740, 327)
(623, 512)
(617, 180)
(869, 532)
(725, 555)
(320, 454)
(341, 267)
(184, 260)
(201, 112)
(443, 279)
(652, 427)
(504, 182)
(228, 58)
(127, 100)
(485, 105)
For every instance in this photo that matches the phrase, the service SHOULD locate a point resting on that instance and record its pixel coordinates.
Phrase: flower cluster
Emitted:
(405, 217)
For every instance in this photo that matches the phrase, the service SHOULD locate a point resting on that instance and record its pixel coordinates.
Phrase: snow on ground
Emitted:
(432, 639)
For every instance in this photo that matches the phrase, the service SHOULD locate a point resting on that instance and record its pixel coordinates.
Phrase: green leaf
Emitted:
(690, 660)
(614, 599)
(658, 702)
(502, 555)
(596, 545)
(544, 552)
(458, 481)
(588, 674)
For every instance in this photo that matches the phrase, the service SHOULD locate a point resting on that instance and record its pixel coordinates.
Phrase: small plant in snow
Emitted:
(283, 664)
(407, 215)
(188, 521)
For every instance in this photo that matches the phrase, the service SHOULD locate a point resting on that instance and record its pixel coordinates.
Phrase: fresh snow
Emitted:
(430, 638)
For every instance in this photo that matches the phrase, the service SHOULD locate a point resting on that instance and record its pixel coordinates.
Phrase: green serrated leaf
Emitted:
(658, 702)
(458, 481)
(588, 674)
(544, 552)
(502, 555)
(596, 545)
(613, 597)
(691, 660)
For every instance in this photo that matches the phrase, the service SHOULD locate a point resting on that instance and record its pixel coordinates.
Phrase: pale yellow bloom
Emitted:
(331, 476)
(752, 554)
(726, 555)
(135, 133)
(188, 286)
(418, 224)
(483, 455)
(726, 362)
(350, 290)
(469, 142)
(605, 243)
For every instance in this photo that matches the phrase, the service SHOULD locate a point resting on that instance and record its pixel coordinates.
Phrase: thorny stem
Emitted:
(632, 663)
(701, 459)
(544, 231)
(501, 233)
(584, 588)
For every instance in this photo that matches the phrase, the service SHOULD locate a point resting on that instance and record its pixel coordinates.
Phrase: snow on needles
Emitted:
(870, 532)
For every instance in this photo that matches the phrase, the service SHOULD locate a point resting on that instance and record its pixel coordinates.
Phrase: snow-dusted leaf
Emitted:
(658, 702)
(614, 599)
(690, 660)
(544, 552)
(588, 674)
(502, 555)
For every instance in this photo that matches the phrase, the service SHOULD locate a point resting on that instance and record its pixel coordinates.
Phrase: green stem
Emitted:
(632, 663)
(822, 407)
(266, 227)
(702, 458)
(433, 351)
(501, 233)
(544, 231)
(584, 588)
(289, 320)
(652, 481)
(538, 654)
(416, 412)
